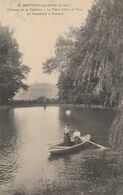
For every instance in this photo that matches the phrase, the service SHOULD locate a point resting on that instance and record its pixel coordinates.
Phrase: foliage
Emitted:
(12, 70)
(116, 132)
(39, 101)
(91, 58)
(65, 62)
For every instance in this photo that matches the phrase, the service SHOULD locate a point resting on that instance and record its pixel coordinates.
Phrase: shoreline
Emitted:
(2, 107)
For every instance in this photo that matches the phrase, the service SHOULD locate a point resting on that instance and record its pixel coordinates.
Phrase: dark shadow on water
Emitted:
(44, 107)
(68, 154)
(95, 122)
(8, 146)
(98, 173)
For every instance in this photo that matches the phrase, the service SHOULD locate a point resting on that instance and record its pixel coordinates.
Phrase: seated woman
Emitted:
(76, 136)
(67, 140)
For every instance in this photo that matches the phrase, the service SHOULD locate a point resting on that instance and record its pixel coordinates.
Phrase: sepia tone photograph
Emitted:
(61, 105)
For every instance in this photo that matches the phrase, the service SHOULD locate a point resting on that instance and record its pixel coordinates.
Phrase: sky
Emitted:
(36, 34)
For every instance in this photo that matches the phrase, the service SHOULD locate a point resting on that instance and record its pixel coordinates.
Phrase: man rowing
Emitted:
(76, 137)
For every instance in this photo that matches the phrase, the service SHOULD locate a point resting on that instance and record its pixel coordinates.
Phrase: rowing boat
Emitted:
(61, 149)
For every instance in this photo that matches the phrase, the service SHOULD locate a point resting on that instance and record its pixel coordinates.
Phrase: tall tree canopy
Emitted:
(90, 59)
(12, 70)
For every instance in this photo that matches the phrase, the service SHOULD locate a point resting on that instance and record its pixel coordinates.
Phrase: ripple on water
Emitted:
(26, 134)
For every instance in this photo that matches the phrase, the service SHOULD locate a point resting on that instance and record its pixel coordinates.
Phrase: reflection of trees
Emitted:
(8, 145)
(8, 133)
(94, 121)
(64, 119)
(100, 174)
(91, 172)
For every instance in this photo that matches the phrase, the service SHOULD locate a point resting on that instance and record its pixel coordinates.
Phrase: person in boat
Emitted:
(67, 139)
(76, 137)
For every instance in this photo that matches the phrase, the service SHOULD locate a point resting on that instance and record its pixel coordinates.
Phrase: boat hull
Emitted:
(59, 149)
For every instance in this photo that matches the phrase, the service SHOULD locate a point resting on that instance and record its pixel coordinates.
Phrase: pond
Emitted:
(27, 133)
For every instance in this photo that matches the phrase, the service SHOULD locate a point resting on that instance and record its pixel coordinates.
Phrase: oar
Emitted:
(98, 145)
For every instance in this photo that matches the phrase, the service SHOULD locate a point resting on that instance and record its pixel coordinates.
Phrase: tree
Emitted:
(64, 63)
(12, 70)
(100, 42)
(92, 57)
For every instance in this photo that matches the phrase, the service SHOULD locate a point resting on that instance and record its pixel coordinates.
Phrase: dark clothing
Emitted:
(67, 140)
(77, 140)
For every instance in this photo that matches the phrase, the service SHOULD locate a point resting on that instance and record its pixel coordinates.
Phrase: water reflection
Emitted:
(25, 136)
(100, 173)
(8, 146)
(89, 121)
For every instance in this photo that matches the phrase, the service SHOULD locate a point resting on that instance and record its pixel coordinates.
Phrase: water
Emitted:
(27, 133)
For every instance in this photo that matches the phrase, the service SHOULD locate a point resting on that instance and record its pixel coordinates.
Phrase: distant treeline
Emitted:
(44, 101)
